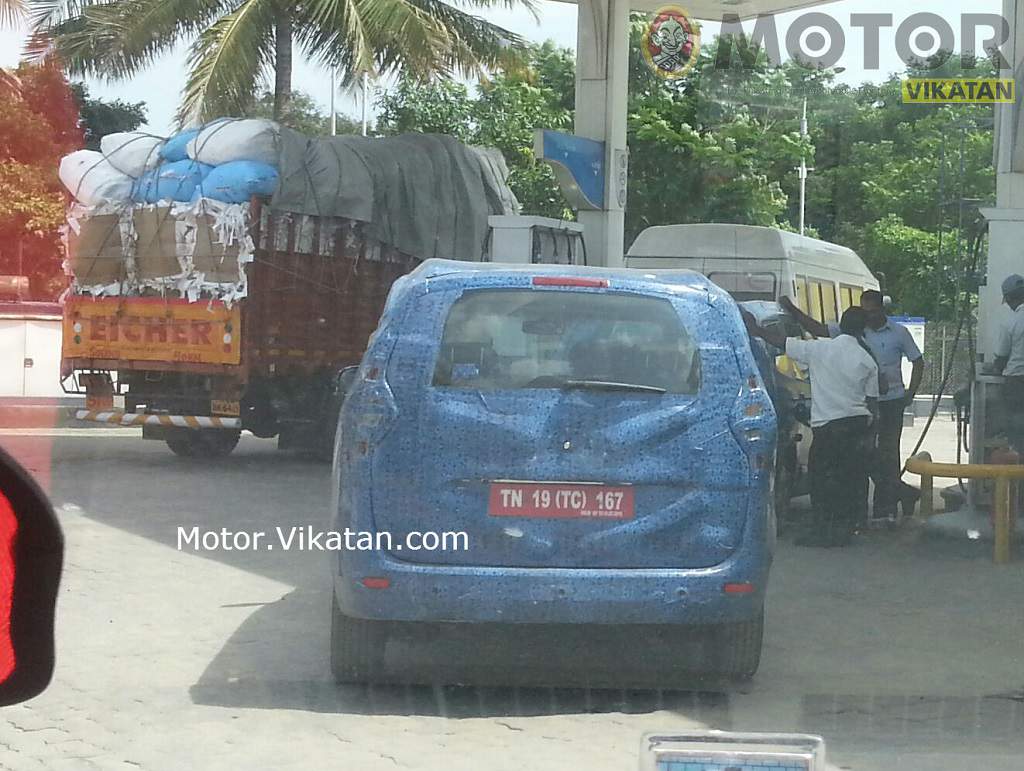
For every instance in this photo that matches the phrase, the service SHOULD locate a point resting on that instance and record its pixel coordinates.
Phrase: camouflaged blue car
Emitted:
(601, 439)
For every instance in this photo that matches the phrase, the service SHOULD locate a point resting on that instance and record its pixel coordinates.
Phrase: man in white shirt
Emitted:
(844, 396)
(1009, 361)
(889, 343)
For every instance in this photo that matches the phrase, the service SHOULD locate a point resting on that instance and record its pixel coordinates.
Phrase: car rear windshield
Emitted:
(514, 339)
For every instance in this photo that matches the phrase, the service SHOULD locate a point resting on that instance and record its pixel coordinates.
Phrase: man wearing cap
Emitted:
(1009, 352)
(890, 343)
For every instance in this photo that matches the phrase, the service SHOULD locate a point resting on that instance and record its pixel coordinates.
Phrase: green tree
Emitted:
(238, 46)
(717, 146)
(38, 125)
(891, 176)
(304, 115)
(503, 114)
(100, 117)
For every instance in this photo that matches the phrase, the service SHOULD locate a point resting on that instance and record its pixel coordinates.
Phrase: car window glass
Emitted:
(495, 340)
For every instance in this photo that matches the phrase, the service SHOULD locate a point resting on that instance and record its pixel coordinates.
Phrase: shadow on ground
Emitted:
(251, 672)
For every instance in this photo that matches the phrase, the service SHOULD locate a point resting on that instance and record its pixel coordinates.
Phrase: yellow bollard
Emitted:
(1002, 508)
(1005, 475)
(927, 495)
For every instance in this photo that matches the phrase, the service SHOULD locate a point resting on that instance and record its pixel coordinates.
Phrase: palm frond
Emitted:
(529, 5)
(228, 61)
(45, 14)
(421, 38)
(12, 12)
(366, 35)
(475, 42)
(117, 39)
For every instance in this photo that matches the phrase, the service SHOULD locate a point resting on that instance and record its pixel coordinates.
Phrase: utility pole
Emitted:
(804, 172)
(366, 91)
(334, 90)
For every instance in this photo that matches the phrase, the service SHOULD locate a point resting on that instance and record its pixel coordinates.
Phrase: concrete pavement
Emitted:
(904, 651)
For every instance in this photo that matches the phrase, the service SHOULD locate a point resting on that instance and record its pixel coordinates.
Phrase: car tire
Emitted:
(204, 444)
(357, 647)
(737, 648)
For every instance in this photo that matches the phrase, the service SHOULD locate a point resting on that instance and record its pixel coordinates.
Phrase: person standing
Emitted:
(1009, 352)
(844, 394)
(890, 343)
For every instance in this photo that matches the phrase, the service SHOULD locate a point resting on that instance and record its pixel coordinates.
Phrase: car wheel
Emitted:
(737, 648)
(357, 647)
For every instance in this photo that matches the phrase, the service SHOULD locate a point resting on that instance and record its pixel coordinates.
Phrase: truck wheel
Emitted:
(736, 648)
(357, 647)
(217, 443)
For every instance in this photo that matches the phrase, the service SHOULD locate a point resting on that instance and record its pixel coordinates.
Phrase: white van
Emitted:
(758, 263)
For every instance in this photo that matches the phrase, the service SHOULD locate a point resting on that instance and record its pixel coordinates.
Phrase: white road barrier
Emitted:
(133, 419)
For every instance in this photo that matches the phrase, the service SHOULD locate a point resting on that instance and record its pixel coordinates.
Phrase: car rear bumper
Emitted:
(431, 593)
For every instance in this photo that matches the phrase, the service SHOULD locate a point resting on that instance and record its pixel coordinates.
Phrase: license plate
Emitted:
(560, 501)
(99, 401)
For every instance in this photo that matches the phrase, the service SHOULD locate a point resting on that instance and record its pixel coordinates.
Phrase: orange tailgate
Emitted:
(152, 329)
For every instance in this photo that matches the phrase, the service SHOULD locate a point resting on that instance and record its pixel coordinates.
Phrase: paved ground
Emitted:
(904, 652)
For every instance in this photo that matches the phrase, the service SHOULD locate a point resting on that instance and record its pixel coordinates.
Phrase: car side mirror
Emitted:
(31, 557)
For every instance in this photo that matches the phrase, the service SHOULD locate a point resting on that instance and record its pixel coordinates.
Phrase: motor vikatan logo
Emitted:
(671, 42)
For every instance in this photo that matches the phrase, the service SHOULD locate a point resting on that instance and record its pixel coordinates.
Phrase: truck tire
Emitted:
(736, 648)
(357, 647)
(217, 443)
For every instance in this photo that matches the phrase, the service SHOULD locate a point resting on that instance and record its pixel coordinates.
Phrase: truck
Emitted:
(209, 319)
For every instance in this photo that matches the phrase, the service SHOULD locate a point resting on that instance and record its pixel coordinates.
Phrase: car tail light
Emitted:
(752, 424)
(376, 410)
(591, 283)
(376, 582)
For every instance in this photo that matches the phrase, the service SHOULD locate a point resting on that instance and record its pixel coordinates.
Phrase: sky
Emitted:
(160, 86)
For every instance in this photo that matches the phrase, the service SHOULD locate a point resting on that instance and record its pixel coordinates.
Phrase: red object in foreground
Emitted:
(31, 557)
(8, 531)
(376, 583)
(534, 500)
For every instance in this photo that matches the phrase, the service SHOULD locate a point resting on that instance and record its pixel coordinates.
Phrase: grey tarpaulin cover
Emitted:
(427, 195)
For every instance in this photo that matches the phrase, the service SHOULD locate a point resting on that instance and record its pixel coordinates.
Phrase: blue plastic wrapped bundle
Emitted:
(176, 148)
(238, 181)
(175, 181)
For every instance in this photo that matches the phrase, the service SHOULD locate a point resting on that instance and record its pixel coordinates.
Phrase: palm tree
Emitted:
(237, 46)
(11, 12)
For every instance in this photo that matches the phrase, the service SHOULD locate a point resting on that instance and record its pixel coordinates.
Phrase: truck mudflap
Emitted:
(168, 421)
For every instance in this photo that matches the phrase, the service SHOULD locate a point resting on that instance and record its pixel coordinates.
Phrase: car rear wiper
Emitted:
(604, 385)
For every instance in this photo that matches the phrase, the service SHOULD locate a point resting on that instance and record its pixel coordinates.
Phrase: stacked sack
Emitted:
(228, 160)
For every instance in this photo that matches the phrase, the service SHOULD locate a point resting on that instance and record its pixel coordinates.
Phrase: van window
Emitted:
(846, 298)
(745, 287)
(800, 285)
(513, 339)
(828, 302)
(814, 306)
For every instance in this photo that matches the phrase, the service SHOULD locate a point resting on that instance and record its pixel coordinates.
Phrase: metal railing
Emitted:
(1005, 476)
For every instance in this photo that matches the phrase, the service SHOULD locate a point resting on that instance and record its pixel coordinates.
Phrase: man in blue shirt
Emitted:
(889, 343)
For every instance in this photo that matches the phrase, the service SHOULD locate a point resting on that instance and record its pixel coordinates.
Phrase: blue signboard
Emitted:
(578, 164)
